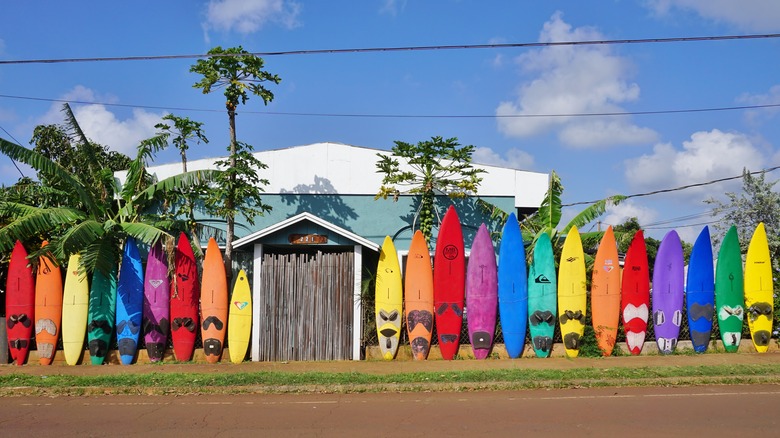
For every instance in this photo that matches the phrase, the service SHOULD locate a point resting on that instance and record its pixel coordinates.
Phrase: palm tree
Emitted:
(91, 220)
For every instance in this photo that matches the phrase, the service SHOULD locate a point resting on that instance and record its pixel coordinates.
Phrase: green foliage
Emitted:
(241, 181)
(429, 167)
(93, 213)
(238, 72)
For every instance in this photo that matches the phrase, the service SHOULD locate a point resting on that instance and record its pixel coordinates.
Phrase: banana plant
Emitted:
(92, 221)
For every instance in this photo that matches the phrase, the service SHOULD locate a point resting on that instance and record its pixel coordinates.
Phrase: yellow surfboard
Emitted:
(75, 302)
(240, 318)
(758, 289)
(572, 293)
(389, 300)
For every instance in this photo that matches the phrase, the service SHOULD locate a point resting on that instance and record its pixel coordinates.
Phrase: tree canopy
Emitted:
(435, 166)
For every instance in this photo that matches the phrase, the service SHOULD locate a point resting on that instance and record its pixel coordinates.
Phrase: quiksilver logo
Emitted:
(542, 279)
(571, 259)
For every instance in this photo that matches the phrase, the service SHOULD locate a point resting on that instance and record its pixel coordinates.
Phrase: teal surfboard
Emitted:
(542, 296)
(102, 311)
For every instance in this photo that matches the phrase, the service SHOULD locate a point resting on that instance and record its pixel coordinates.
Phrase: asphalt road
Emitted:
(710, 411)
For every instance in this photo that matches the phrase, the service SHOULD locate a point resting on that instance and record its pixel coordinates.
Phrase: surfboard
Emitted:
(635, 294)
(213, 302)
(157, 302)
(449, 284)
(240, 318)
(729, 291)
(759, 289)
(542, 296)
(700, 292)
(129, 302)
(75, 305)
(667, 292)
(572, 293)
(388, 300)
(185, 294)
(418, 297)
(605, 293)
(512, 288)
(19, 304)
(101, 315)
(48, 308)
(481, 293)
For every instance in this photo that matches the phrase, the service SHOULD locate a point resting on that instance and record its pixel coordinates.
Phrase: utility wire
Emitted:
(676, 189)
(406, 116)
(398, 49)
(12, 160)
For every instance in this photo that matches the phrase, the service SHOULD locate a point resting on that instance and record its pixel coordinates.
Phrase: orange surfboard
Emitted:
(48, 308)
(605, 293)
(418, 297)
(213, 303)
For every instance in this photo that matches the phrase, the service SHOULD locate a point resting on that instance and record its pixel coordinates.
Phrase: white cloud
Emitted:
(705, 157)
(573, 80)
(758, 116)
(513, 158)
(248, 16)
(618, 214)
(102, 126)
(749, 15)
(392, 7)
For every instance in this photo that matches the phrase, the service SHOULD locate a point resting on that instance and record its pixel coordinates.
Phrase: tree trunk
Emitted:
(230, 202)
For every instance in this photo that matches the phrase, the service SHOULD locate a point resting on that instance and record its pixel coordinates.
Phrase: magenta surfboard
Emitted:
(156, 303)
(481, 293)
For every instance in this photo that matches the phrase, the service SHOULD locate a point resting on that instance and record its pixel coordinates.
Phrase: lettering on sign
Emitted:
(307, 239)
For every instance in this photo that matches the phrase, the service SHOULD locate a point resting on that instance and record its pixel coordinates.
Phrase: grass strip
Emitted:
(322, 382)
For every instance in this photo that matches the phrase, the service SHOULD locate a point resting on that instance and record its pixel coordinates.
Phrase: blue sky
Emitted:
(595, 156)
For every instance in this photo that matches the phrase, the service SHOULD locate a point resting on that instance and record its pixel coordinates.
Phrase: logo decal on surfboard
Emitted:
(450, 252)
(155, 283)
(240, 304)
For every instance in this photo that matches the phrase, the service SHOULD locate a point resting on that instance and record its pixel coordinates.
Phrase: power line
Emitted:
(397, 49)
(676, 189)
(406, 116)
(12, 160)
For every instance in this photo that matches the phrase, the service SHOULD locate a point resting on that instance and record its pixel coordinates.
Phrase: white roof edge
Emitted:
(300, 217)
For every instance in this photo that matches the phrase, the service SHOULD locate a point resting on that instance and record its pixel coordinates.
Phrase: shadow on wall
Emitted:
(471, 216)
(328, 205)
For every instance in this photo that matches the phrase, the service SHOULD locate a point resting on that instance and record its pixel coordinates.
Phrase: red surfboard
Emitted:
(19, 304)
(185, 295)
(449, 276)
(635, 288)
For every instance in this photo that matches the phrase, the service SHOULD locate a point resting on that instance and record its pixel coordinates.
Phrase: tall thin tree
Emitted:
(239, 73)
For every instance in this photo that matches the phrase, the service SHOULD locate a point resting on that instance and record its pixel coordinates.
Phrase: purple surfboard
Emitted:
(482, 293)
(668, 292)
(156, 303)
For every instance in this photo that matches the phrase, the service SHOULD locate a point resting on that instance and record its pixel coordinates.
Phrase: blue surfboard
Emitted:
(129, 303)
(512, 288)
(700, 292)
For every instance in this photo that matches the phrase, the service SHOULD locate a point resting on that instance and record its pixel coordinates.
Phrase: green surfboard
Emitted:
(102, 311)
(542, 297)
(729, 291)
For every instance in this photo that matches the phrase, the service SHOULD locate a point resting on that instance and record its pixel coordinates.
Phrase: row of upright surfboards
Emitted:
(535, 298)
(132, 301)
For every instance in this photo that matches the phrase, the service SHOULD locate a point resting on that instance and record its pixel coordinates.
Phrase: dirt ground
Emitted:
(710, 411)
(400, 366)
